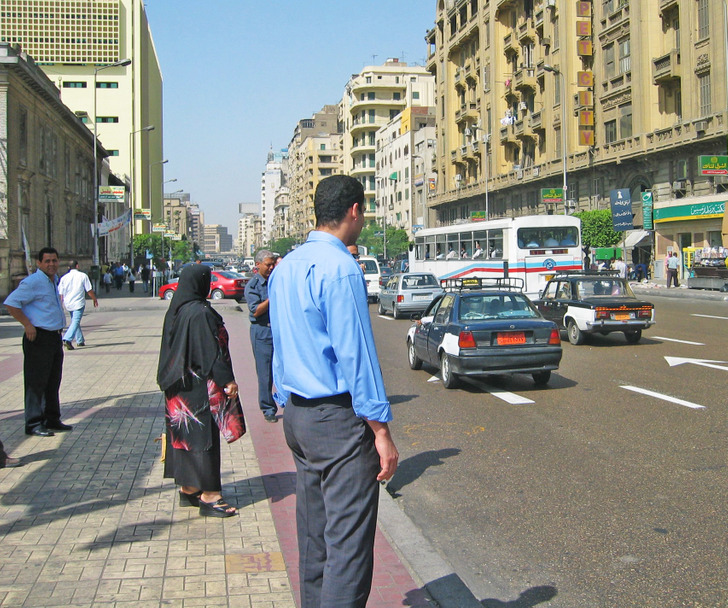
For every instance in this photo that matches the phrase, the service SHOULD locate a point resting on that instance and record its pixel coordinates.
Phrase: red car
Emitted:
(223, 284)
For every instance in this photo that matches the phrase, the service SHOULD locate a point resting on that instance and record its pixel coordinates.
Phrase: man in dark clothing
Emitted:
(261, 338)
(145, 278)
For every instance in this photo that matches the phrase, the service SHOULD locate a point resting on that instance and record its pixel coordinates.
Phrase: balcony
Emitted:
(535, 121)
(509, 44)
(666, 5)
(666, 68)
(526, 78)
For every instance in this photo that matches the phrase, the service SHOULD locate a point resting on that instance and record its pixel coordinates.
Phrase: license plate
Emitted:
(512, 337)
(624, 316)
(426, 296)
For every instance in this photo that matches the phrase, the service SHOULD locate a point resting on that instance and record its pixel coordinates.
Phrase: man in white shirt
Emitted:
(73, 287)
(621, 268)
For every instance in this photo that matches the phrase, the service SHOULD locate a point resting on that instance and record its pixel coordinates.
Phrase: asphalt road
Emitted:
(590, 492)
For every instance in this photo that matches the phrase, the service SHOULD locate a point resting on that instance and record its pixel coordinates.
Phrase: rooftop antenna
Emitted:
(374, 59)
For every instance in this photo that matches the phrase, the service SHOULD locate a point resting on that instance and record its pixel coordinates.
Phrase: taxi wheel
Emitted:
(395, 312)
(449, 380)
(576, 336)
(414, 361)
(542, 378)
(633, 336)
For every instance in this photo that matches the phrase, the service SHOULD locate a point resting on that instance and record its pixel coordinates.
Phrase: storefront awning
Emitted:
(637, 237)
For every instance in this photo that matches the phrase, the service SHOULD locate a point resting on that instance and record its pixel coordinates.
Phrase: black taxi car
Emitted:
(484, 327)
(586, 303)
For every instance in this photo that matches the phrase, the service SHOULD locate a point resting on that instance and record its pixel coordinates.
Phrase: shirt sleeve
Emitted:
(252, 296)
(352, 339)
(22, 294)
(87, 284)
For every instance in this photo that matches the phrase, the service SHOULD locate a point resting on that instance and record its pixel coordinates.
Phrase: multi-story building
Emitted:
(271, 181)
(176, 213)
(216, 240)
(314, 152)
(371, 99)
(77, 44)
(46, 172)
(401, 157)
(197, 221)
(248, 235)
(594, 96)
(280, 219)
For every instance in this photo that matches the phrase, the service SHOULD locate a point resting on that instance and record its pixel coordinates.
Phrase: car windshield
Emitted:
(370, 266)
(496, 306)
(588, 288)
(418, 281)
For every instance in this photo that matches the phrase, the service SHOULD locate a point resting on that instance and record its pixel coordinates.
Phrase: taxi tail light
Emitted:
(400, 299)
(602, 314)
(466, 340)
(645, 313)
(555, 337)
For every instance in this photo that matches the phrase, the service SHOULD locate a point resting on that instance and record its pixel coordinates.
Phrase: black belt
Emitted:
(50, 331)
(341, 399)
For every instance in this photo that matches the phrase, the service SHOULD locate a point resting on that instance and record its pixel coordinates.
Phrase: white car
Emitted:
(371, 275)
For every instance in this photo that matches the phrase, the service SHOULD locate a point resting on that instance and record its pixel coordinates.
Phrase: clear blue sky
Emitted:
(239, 75)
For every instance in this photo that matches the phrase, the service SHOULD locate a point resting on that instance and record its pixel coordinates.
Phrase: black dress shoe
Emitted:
(59, 426)
(68, 345)
(39, 431)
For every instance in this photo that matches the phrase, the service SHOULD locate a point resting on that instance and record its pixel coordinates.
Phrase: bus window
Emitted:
(440, 247)
(453, 247)
(466, 245)
(419, 249)
(480, 244)
(495, 243)
(430, 248)
(559, 236)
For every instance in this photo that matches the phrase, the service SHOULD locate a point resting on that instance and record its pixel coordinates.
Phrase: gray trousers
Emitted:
(337, 496)
(261, 339)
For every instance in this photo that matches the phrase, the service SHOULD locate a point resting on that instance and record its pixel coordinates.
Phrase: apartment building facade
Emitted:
(216, 240)
(371, 99)
(600, 95)
(76, 43)
(401, 161)
(314, 152)
(272, 180)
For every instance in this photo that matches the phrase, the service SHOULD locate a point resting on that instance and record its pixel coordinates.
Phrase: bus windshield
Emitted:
(550, 236)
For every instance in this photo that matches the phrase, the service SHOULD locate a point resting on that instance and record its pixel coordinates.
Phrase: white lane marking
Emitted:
(644, 391)
(511, 398)
(709, 316)
(674, 340)
(673, 361)
(434, 379)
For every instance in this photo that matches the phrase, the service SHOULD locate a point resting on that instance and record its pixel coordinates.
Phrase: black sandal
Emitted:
(189, 500)
(216, 509)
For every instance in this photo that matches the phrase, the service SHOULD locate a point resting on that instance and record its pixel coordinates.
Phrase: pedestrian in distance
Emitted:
(73, 287)
(145, 278)
(261, 339)
(672, 264)
(325, 364)
(620, 267)
(118, 273)
(7, 461)
(36, 305)
(196, 374)
(108, 280)
(132, 280)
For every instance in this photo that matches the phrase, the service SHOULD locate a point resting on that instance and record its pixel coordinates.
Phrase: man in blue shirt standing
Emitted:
(261, 340)
(36, 305)
(325, 364)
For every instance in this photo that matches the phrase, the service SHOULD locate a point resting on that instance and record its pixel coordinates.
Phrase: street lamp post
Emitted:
(120, 63)
(558, 72)
(151, 219)
(132, 172)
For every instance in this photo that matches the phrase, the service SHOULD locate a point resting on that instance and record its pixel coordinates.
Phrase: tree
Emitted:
(181, 250)
(372, 237)
(282, 246)
(596, 229)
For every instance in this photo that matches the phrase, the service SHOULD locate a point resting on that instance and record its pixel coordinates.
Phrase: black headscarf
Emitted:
(191, 326)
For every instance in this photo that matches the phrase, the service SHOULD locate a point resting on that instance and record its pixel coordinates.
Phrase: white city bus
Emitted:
(533, 247)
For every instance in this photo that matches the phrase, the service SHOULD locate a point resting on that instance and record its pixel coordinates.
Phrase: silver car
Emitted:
(408, 292)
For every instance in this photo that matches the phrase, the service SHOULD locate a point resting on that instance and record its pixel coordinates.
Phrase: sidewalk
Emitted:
(88, 521)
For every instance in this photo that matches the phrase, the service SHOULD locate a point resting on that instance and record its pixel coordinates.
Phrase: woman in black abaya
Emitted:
(195, 372)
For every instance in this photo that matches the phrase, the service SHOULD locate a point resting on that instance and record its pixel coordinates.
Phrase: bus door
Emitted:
(539, 268)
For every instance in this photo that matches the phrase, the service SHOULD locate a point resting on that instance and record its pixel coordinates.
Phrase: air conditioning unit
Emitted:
(519, 173)
(467, 132)
(551, 3)
(536, 171)
(458, 177)
(679, 185)
(701, 125)
(486, 138)
(523, 106)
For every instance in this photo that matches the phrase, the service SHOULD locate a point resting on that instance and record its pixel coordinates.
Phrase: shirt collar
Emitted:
(321, 236)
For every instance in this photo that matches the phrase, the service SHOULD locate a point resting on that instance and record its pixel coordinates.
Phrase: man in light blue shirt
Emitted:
(325, 364)
(36, 305)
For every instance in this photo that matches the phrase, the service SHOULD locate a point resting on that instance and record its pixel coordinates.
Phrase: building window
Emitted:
(107, 119)
(556, 34)
(23, 137)
(625, 61)
(106, 85)
(322, 147)
(396, 96)
(703, 19)
(415, 94)
(113, 152)
(74, 85)
(625, 120)
(557, 89)
(557, 140)
(704, 87)
(610, 131)
(609, 69)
